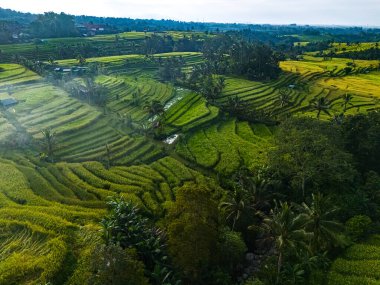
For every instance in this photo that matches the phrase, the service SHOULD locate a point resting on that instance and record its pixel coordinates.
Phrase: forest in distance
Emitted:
(136, 152)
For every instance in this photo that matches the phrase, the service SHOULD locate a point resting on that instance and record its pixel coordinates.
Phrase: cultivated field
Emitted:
(48, 208)
(359, 265)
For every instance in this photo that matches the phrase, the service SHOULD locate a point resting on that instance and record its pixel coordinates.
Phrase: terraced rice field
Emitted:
(82, 129)
(343, 47)
(55, 48)
(359, 265)
(6, 129)
(308, 80)
(122, 89)
(228, 145)
(136, 64)
(12, 74)
(192, 111)
(46, 208)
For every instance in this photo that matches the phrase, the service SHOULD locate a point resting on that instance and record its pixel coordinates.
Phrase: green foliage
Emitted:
(362, 137)
(253, 281)
(111, 264)
(126, 228)
(192, 225)
(256, 61)
(49, 143)
(287, 230)
(232, 249)
(311, 159)
(358, 226)
(327, 232)
(54, 25)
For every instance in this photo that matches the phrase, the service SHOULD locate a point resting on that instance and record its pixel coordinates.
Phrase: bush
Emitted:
(113, 265)
(358, 226)
(232, 248)
(253, 281)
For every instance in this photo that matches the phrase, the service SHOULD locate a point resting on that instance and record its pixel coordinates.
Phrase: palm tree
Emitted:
(145, 129)
(49, 142)
(326, 231)
(125, 119)
(347, 98)
(258, 187)
(235, 105)
(155, 108)
(136, 97)
(284, 97)
(338, 118)
(321, 105)
(51, 60)
(81, 60)
(235, 206)
(286, 229)
(221, 82)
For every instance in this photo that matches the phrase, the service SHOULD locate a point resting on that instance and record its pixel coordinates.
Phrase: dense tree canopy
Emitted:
(52, 25)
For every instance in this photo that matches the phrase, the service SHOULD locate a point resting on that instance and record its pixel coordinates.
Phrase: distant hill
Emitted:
(11, 15)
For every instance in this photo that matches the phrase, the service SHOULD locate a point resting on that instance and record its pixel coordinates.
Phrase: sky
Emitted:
(313, 12)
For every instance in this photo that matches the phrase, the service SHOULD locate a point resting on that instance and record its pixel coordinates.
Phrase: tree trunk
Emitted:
(279, 266)
(303, 187)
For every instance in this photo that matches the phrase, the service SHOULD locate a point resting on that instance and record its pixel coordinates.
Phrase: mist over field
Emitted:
(313, 12)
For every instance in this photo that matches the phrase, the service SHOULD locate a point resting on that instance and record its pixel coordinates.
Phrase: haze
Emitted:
(314, 12)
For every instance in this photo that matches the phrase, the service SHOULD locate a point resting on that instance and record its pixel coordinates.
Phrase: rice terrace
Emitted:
(187, 153)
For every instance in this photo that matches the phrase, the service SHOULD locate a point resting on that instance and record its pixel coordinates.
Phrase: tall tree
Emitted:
(327, 232)
(49, 143)
(284, 98)
(347, 100)
(309, 157)
(127, 227)
(321, 105)
(287, 231)
(193, 230)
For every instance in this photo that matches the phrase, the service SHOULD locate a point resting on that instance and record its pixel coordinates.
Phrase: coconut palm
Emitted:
(326, 231)
(136, 97)
(51, 60)
(286, 230)
(235, 206)
(347, 99)
(81, 60)
(49, 143)
(235, 105)
(221, 82)
(284, 97)
(338, 119)
(155, 108)
(321, 105)
(145, 129)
